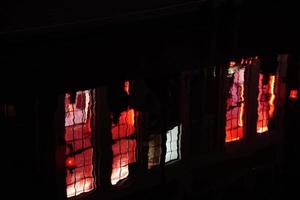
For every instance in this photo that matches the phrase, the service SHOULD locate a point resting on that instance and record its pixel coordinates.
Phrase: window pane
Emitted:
(266, 98)
(124, 148)
(154, 152)
(235, 109)
(124, 142)
(78, 136)
(173, 144)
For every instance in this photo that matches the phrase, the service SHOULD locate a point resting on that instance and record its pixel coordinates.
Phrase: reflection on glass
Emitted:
(79, 151)
(154, 152)
(235, 109)
(266, 106)
(124, 143)
(173, 144)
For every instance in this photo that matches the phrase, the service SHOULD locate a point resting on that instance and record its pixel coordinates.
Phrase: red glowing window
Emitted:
(266, 106)
(79, 151)
(293, 94)
(235, 109)
(173, 144)
(124, 143)
(154, 152)
(124, 147)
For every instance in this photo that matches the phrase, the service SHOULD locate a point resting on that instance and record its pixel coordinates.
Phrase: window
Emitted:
(78, 138)
(154, 152)
(81, 176)
(124, 143)
(173, 144)
(266, 98)
(124, 146)
(235, 108)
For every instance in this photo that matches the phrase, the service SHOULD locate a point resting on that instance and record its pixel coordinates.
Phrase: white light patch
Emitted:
(173, 144)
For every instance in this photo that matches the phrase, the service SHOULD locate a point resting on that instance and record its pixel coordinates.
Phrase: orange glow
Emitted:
(241, 117)
(266, 106)
(264, 128)
(293, 94)
(232, 64)
(272, 98)
(125, 127)
(126, 87)
(70, 163)
(130, 120)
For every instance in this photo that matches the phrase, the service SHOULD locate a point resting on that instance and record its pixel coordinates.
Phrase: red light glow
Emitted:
(70, 163)
(293, 94)
(124, 146)
(125, 127)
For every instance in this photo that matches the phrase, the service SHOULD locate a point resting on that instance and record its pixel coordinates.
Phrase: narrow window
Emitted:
(154, 152)
(173, 144)
(266, 98)
(124, 143)
(79, 151)
(235, 109)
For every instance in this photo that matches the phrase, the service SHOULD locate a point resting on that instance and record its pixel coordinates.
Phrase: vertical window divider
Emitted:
(251, 104)
(103, 138)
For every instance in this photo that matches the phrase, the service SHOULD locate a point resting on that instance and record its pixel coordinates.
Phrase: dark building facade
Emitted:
(141, 100)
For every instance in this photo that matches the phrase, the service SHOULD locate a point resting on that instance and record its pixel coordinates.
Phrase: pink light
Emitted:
(119, 174)
(235, 108)
(242, 61)
(79, 173)
(80, 187)
(123, 155)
